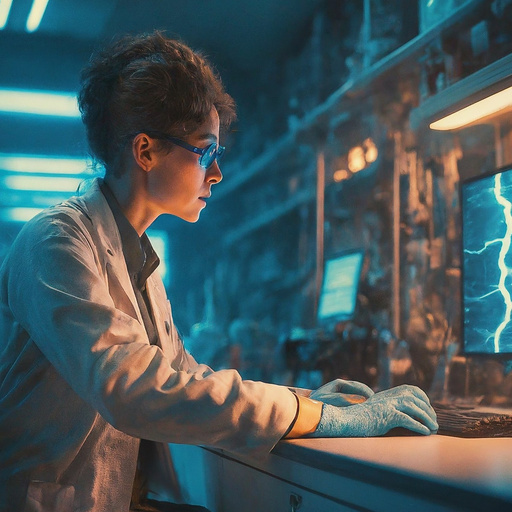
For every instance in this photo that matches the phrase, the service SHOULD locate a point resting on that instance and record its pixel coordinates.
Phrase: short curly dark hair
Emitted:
(147, 82)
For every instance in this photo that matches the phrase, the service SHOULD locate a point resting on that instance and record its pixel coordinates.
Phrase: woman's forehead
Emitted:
(209, 130)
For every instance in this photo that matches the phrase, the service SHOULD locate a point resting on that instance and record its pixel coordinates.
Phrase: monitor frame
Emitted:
(470, 353)
(335, 319)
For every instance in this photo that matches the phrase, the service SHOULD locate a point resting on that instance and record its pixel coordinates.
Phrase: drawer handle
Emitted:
(295, 502)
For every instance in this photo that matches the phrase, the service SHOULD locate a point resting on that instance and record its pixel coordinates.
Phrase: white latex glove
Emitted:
(403, 406)
(341, 393)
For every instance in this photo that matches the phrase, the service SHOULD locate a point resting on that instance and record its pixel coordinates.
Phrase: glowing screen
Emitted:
(339, 290)
(487, 263)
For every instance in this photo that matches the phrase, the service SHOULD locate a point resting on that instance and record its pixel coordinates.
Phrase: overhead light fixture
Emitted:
(43, 103)
(36, 15)
(18, 214)
(5, 9)
(41, 183)
(42, 164)
(489, 106)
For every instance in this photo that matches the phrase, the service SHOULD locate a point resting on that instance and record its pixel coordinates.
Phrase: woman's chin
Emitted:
(192, 218)
(192, 215)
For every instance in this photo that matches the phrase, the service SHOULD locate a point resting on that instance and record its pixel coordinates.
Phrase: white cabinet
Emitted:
(250, 490)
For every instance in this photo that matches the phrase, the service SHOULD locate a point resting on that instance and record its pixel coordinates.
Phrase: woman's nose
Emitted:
(214, 174)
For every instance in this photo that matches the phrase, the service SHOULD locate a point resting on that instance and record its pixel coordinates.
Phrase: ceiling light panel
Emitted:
(41, 183)
(5, 9)
(43, 164)
(43, 103)
(18, 214)
(36, 15)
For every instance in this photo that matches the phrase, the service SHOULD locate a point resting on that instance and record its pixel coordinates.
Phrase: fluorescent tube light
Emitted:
(42, 164)
(36, 15)
(41, 183)
(43, 103)
(19, 214)
(488, 106)
(5, 9)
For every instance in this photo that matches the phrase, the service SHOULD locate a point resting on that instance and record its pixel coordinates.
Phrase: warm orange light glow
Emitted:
(372, 152)
(483, 108)
(356, 161)
(340, 175)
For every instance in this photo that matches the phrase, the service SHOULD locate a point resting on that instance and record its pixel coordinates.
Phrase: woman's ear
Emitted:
(143, 151)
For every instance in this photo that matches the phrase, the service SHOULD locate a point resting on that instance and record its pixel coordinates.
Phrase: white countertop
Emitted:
(479, 465)
(475, 474)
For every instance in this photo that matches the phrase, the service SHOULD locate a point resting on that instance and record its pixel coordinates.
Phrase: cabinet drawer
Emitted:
(251, 490)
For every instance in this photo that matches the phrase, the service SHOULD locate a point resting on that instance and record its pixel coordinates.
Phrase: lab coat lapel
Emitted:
(120, 286)
(163, 325)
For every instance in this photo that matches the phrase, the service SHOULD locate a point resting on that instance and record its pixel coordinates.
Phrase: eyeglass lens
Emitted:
(209, 157)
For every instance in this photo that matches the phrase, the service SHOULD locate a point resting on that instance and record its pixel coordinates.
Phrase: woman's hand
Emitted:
(403, 406)
(342, 393)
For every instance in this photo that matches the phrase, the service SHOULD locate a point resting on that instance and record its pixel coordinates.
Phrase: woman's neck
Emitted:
(132, 198)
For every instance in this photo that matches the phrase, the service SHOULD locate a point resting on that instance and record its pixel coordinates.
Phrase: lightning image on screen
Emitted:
(487, 297)
(505, 246)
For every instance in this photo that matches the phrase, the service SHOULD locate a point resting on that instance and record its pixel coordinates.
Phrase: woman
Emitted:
(90, 361)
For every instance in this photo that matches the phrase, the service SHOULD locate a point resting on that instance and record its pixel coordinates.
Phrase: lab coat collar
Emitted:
(101, 216)
(141, 258)
(93, 204)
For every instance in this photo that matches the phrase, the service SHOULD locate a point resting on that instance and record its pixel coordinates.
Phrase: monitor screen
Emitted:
(338, 296)
(486, 207)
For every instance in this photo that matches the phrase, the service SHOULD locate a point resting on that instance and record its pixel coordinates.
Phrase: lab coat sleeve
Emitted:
(59, 293)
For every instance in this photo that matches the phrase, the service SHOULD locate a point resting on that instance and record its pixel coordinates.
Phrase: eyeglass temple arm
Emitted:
(183, 144)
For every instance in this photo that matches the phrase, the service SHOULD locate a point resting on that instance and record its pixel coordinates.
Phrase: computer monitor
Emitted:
(338, 296)
(486, 208)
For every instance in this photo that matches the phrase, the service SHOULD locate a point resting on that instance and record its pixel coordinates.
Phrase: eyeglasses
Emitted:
(207, 155)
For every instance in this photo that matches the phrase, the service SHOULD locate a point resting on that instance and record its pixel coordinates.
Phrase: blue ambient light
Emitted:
(160, 241)
(45, 103)
(36, 15)
(5, 9)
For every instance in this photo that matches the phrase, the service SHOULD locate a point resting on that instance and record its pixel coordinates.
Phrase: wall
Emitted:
(339, 92)
(256, 244)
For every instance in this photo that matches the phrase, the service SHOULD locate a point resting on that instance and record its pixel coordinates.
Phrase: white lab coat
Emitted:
(80, 383)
